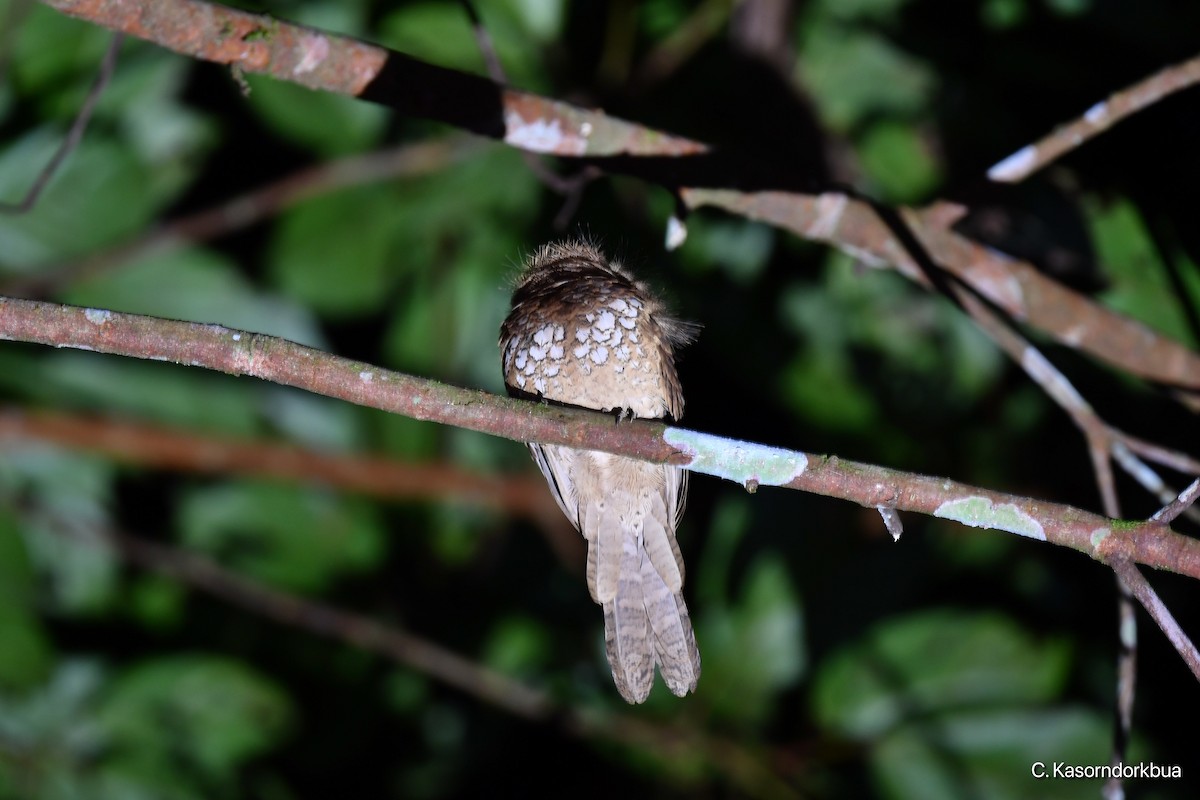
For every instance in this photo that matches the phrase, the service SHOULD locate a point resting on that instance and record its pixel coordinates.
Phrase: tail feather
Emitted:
(659, 540)
(674, 642)
(635, 573)
(627, 632)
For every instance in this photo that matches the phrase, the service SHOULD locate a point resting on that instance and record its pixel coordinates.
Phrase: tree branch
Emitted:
(163, 448)
(257, 43)
(732, 759)
(1096, 120)
(752, 465)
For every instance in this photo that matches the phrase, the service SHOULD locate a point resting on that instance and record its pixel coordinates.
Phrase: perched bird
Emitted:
(583, 332)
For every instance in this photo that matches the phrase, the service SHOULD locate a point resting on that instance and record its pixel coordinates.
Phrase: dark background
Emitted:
(839, 662)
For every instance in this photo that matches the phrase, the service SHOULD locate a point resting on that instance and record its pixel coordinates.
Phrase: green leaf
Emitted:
(821, 388)
(861, 9)
(320, 422)
(436, 32)
(854, 74)
(102, 193)
(911, 340)
(989, 754)
(754, 643)
(156, 602)
(197, 285)
(1139, 285)
(541, 18)
(517, 646)
(335, 253)
(54, 713)
(52, 49)
(898, 161)
(66, 499)
(155, 392)
(934, 661)
(1003, 14)
(143, 99)
(25, 650)
(201, 713)
(326, 123)
(739, 247)
(292, 536)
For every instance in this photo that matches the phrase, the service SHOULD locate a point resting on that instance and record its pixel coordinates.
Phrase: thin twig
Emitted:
(1158, 611)
(1097, 119)
(74, 136)
(681, 44)
(1187, 497)
(247, 209)
(483, 41)
(1127, 632)
(571, 187)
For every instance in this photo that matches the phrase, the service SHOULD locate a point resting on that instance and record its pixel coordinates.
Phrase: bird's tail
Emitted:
(638, 580)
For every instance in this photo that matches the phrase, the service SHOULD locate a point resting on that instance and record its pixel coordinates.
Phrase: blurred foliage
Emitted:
(942, 666)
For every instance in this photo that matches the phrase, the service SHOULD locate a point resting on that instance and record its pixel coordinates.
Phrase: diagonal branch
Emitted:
(1096, 120)
(1149, 599)
(278, 360)
(108, 66)
(256, 43)
(733, 759)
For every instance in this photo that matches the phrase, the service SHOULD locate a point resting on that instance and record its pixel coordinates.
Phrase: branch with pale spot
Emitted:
(278, 360)
(1096, 120)
(257, 43)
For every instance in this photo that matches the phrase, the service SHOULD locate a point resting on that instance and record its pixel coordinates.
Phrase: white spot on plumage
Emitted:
(600, 335)
(558, 333)
(556, 351)
(627, 323)
(521, 358)
(606, 321)
(550, 371)
(544, 336)
(537, 353)
(619, 305)
(582, 350)
(600, 355)
(581, 334)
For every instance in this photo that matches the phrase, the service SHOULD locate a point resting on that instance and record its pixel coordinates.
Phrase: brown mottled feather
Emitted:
(584, 332)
